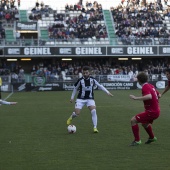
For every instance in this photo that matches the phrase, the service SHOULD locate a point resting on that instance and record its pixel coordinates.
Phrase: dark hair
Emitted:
(167, 70)
(86, 68)
(142, 77)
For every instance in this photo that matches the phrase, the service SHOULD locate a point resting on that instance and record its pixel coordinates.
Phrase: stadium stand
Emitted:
(88, 23)
(8, 15)
(76, 23)
(141, 23)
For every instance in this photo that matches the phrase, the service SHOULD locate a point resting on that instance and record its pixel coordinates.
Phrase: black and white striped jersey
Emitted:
(86, 87)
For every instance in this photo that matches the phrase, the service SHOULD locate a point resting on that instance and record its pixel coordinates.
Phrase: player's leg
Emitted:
(148, 129)
(135, 130)
(92, 107)
(0, 93)
(73, 115)
(7, 103)
(78, 106)
(13, 103)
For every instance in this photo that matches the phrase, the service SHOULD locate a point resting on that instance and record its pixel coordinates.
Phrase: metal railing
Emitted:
(53, 42)
(85, 41)
(67, 78)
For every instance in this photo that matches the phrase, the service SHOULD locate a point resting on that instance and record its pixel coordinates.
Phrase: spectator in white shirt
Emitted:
(18, 34)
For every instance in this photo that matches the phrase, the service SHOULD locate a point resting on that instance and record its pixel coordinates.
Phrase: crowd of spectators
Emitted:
(136, 22)
(83, 25)
(140, 22)
(8, 14)
(2, 31)
(18, 75)
(39, 10)
(72, 70)
(8, 10)
(16, 72)
(4, 72)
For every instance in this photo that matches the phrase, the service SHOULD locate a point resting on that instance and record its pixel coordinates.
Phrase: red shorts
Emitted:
(147, 117)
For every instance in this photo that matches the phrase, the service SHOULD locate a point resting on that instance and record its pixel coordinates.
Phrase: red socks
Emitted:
(149, 131)
(135, 130)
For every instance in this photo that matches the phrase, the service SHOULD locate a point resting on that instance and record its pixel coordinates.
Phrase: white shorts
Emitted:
(80, 103)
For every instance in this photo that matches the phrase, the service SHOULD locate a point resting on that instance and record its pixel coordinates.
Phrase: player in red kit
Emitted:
(167, 72)
(152, 110)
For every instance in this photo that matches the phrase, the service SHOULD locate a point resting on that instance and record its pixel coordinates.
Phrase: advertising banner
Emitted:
(126, 51)
(26, 26)
(39, 80)
(68, 86)
(164, 50)
(120, 85)
(6, 87)
(31, 87)
(118, 78)
(84, 51)
(56, 51)
(20, 86)
(156, 84)
(132, 50)
(50, 87)
(30, 51)
(38, 51)
(12, 51)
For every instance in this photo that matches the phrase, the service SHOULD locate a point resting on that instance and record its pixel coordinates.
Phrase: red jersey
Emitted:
(168, 82)
(151, 105)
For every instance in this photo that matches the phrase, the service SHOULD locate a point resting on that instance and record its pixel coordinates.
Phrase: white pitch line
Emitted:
(9, 96)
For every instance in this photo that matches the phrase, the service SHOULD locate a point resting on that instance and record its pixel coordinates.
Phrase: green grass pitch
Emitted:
(33, 134)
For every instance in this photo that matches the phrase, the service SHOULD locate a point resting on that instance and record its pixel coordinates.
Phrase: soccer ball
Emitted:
(71, 129)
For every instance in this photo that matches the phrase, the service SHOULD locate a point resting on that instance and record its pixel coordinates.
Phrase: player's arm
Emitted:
(73, 94)
(103, 88)
(76, 86)
(146, 97)
(158, 94)
(166, 89)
